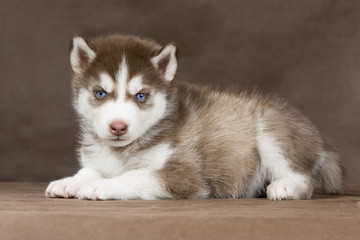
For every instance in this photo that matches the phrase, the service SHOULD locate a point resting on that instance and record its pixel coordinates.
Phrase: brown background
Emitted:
(306, 51)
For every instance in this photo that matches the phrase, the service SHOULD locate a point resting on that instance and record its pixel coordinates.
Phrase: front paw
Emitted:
(101, 189)
(63, 188)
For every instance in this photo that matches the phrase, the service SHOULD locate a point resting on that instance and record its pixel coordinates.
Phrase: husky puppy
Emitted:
(145, 136)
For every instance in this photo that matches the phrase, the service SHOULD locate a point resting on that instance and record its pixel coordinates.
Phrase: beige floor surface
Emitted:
(26, 214)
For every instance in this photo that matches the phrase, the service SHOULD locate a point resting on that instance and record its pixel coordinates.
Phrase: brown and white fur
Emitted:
(183, 140)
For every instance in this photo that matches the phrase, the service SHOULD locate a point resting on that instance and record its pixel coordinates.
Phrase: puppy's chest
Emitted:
(113, 163)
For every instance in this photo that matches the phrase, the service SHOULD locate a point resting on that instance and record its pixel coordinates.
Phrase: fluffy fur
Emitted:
(183, 140)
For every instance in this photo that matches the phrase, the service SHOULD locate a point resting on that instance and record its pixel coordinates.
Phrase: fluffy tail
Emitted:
(331, 172)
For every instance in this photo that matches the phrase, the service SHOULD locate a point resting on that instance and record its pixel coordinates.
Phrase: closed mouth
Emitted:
(118, 139)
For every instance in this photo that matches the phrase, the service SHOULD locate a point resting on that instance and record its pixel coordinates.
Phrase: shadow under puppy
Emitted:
(146, 136)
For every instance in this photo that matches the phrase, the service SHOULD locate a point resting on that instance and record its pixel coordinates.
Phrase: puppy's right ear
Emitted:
(81, 55)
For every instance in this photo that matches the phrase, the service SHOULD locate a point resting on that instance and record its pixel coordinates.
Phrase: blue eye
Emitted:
(100, 94)
(140, 97)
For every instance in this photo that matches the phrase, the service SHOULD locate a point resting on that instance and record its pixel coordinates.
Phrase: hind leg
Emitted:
(285, 182)
(294, 187)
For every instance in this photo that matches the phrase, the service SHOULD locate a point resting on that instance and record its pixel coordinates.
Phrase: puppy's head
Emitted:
(120, 85)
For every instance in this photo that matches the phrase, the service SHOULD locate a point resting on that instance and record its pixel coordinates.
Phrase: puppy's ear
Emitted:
(81, 55)
(166, 61)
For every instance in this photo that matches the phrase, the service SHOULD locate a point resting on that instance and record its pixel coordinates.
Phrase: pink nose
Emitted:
(118, 128)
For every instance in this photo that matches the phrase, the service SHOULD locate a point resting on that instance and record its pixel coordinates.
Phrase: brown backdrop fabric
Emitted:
(307, 51)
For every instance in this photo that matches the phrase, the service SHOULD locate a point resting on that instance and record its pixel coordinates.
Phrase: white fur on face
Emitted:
(122, 78)
(106, 82)
(138, 120)
(82, 105)
(121, 108)
(135, 85)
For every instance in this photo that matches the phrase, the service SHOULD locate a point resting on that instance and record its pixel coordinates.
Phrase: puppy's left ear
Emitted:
(166, 61)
